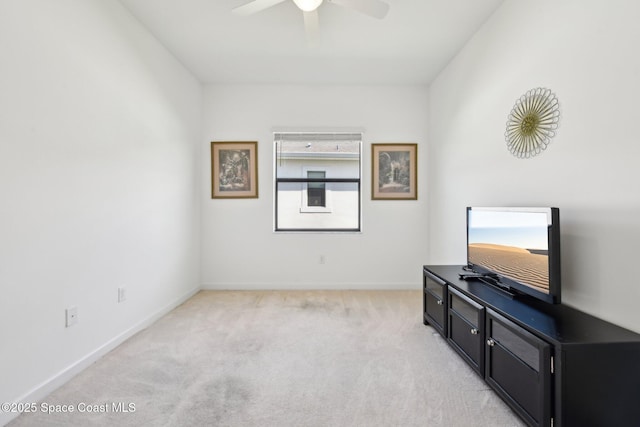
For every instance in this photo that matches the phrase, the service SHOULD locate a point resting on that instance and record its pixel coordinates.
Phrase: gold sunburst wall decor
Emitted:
(532, 123)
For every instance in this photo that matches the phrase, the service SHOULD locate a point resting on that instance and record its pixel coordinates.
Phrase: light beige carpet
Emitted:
(282, 358)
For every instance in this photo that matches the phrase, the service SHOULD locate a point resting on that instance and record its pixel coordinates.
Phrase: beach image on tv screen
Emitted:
(512, 244)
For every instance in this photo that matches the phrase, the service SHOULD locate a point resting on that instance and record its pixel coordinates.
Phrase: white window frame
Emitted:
(328, 201)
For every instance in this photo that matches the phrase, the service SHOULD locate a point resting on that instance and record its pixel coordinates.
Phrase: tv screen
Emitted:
(517, 248)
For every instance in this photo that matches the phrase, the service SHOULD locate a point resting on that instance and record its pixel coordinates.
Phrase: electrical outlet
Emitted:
(71, 316)
(122, 294)
(323, 259)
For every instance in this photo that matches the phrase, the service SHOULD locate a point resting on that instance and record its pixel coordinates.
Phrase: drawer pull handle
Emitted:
(439, 302)
(491, 342)
(474, 331)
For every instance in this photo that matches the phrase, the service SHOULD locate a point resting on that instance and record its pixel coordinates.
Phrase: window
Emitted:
(317, 181)
(316, 191)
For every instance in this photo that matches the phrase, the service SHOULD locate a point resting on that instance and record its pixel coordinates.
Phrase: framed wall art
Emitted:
(394, 171)
(234, 170)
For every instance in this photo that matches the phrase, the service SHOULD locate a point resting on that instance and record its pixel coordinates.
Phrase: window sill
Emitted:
(319, 209)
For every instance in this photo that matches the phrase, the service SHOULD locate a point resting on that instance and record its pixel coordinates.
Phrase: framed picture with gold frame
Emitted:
(394, 171)
(234, 170)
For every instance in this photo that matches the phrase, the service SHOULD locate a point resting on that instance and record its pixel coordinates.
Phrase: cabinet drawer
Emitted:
(466, 329)
(434, 303)
(466, 308)
(518, 368)
(434, 285)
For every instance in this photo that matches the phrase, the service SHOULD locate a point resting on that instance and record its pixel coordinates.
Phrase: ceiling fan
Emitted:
(374, 8)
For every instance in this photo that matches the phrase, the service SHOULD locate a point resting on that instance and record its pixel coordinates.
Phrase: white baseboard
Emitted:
(46, 387)
(339, 286)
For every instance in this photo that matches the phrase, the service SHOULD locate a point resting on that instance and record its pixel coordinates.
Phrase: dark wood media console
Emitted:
(552, 364)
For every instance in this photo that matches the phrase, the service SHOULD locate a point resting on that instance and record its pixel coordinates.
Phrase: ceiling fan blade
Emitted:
(375, 8)
(311, 26)
(255, 6)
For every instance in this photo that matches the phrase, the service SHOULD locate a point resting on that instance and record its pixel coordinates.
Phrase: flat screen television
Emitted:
(517, 249)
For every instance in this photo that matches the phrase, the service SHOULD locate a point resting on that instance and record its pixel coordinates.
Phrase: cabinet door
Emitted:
(518, 368)
(434, 302)
(466, 329)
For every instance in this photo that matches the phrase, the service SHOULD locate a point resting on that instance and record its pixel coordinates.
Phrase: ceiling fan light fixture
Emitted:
(308, 5)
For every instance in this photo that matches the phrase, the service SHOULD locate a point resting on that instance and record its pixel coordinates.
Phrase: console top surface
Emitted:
(558, 323)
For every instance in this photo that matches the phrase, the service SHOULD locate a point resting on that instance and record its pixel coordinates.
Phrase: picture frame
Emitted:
(234, 169)
(394, 171)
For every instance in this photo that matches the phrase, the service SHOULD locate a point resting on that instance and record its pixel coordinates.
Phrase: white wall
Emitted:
(240, 249)
(585, 52)
(99, 131)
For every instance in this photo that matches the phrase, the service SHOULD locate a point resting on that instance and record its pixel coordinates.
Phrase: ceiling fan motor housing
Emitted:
(308, 5)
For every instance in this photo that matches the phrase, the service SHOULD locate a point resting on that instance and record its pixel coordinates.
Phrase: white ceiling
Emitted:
(411, 45)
